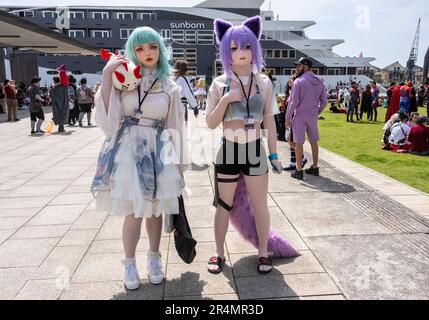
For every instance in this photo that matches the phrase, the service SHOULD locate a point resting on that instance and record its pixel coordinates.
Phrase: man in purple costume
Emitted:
(308, 100)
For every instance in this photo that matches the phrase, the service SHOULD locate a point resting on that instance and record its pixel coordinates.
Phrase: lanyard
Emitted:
(244, 92)
(147, 92)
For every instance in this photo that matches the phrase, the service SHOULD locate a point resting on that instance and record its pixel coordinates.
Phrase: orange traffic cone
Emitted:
(50, 127)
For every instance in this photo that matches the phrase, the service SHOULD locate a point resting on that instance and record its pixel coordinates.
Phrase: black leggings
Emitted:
(37, 115)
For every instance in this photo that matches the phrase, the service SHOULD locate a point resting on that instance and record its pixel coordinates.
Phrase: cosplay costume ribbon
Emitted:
(262, 104)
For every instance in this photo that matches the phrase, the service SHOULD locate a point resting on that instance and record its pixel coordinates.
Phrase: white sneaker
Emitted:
(154, 267)
(131, 276)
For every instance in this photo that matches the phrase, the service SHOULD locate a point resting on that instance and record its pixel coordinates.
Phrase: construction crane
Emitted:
(411, 63)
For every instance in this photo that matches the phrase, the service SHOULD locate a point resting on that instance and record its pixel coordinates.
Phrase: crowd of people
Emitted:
(70, 101)
(356, 101)
(407, 133)
(405, 98)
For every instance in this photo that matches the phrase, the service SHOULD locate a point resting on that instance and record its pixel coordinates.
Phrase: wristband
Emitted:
(273, 156)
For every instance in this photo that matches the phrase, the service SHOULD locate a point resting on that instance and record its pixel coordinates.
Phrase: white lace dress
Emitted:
(123, 195)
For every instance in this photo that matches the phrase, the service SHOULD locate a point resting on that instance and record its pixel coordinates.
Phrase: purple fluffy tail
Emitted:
(243, 219)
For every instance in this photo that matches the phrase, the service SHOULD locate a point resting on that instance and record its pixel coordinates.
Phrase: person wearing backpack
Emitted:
(85, 100)
(398, 134)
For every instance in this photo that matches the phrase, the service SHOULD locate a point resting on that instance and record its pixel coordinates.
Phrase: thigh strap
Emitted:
(227, 180)
(218, 201)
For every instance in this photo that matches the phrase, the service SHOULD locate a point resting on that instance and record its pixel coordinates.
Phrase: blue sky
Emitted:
(385, 33)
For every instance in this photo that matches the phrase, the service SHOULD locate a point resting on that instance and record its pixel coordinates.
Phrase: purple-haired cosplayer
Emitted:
(241, 99)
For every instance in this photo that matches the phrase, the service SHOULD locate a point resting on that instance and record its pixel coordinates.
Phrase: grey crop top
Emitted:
(238, 110)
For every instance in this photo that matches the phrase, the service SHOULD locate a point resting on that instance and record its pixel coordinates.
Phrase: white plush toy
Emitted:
(127, 76)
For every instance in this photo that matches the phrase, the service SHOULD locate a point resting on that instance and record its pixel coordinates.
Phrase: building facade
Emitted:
(189, 32)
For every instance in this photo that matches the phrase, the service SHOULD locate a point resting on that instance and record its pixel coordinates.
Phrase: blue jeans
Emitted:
(352, 109)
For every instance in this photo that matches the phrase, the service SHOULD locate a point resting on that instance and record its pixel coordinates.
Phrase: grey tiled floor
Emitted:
(355, 242)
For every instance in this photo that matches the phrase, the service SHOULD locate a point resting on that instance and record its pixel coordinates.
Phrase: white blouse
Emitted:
(163, 102)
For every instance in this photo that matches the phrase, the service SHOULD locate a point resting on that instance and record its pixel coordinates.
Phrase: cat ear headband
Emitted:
(253, 23)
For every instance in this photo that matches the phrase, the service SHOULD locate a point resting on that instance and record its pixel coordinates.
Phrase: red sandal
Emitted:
(216, 261)
(264, 261)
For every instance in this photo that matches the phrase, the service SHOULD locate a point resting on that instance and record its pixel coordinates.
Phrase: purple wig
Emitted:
(247, 33)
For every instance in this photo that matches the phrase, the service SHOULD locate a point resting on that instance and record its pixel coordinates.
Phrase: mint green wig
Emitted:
(145, 35)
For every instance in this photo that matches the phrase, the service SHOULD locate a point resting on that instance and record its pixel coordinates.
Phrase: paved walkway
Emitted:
(361, 235)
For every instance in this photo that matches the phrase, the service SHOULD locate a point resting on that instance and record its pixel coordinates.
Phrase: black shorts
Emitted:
(37, 115)
(85, 107)
(248, 158)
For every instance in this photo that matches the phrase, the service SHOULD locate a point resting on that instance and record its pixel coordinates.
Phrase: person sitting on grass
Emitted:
(413, 119)
(419, 137)
(335, 109)
(398, 137)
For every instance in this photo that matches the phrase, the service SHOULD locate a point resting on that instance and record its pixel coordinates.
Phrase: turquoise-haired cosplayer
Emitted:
(140, 168)
(145, 35)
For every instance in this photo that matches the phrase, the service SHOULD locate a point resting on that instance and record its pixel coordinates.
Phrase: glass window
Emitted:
(333, 72)
(192, 71)
(219, 68)
(190, 37)
(165, 33)
(178, 53)
(288, 71)
(178, 36)
(205, 37)
(49, 14)
(270, 54)
(29, 14)
(100, 33)
(191, 55)
(77, 33)
(277, 54)
(125, 33)
(76, 15)
(292, 54)
(147, 16)
(100, 15)
(124, 15)
(285, 54)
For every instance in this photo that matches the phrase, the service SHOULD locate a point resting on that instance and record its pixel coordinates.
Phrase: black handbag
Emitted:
(185, 244)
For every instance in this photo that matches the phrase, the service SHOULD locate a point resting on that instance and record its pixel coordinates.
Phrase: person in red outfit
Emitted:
(394, 102)
(419, 137)
(64, 79)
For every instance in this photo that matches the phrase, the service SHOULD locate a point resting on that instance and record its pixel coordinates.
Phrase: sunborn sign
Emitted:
(187, 25)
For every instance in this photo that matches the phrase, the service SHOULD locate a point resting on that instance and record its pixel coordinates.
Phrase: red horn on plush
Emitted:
(137, 73)
(120, 77)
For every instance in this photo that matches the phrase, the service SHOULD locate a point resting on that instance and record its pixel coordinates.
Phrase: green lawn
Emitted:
(361, 142)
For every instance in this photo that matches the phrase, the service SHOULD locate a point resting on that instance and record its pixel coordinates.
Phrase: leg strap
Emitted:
(224, 205)
(227, 180)
(217, 201)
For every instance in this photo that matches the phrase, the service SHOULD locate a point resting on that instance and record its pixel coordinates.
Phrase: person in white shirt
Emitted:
(346, 98)
(187, 94)
(399, 132)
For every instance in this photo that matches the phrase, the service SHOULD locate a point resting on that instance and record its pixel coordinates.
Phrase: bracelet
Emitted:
(273, 156)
